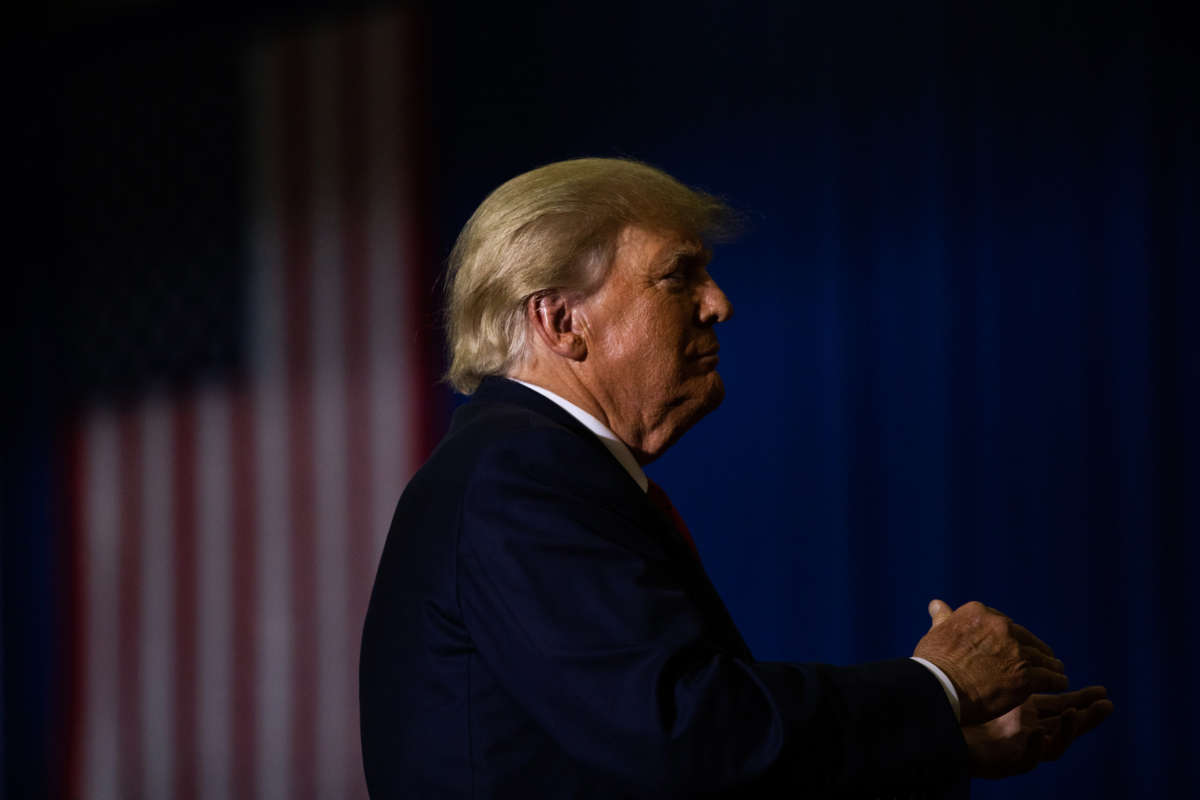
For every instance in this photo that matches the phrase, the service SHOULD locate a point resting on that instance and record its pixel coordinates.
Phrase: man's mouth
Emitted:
(709, 357)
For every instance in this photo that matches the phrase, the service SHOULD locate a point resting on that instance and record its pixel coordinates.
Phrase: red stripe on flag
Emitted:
(186, 588)
(244, 733)
(416, 156)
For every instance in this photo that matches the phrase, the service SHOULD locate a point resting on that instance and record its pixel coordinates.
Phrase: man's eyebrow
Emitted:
(688, 255)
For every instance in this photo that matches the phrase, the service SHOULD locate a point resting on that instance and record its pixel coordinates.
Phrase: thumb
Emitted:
(939, 612)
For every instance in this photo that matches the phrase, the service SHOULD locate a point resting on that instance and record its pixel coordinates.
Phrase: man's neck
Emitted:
(567, 386)
(558, 377)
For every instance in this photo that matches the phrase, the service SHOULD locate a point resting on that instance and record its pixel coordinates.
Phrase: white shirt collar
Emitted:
(615, 446)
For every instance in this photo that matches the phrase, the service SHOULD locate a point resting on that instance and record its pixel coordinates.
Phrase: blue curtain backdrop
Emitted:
(963, 361)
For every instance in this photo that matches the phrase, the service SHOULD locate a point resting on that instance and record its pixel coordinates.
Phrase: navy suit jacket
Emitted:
(538, 628)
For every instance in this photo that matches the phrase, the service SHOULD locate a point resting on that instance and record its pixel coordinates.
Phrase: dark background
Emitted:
(964, 357)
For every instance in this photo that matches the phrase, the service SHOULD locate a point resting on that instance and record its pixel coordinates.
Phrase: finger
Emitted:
(1045, 680)
(939, 612)
(1037, 658)
(1093, 715)
(1022, 635)
(1052, 704)
(1061, 732)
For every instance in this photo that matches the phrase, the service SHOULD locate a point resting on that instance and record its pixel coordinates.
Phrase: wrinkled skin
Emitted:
(640, 352)
(994, 663)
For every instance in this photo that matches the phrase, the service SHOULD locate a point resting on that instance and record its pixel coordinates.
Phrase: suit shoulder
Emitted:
(512, 438)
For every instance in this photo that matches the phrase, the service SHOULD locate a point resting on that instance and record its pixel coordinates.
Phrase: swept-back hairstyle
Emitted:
(554, 227)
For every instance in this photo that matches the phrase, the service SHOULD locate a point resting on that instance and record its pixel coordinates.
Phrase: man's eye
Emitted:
(675, 277)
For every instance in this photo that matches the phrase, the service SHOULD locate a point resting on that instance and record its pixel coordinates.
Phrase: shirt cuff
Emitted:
(947, 686)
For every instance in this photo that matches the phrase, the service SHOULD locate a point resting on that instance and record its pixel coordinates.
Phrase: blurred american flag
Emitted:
(225, 536)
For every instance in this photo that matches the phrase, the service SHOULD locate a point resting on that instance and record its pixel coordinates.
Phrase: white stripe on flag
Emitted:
(389, 362)
(333, 700)
(270, 408)
(157, 600)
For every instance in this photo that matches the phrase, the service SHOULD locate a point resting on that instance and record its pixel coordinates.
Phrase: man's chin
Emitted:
(716, 392)
(686, 411)
(707, 400)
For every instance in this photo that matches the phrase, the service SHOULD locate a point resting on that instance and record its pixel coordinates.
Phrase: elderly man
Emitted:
(540, 624)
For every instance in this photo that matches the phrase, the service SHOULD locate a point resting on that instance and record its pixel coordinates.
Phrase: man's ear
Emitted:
(553, 318)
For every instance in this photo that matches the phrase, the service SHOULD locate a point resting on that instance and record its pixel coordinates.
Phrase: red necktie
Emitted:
(657, 496)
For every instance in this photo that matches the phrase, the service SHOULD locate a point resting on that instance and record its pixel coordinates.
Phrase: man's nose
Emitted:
(714, 305)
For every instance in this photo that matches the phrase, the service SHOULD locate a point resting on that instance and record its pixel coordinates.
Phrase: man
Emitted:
(540, 624)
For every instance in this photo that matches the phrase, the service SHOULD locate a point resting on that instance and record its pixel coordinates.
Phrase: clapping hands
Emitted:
(1002, 674)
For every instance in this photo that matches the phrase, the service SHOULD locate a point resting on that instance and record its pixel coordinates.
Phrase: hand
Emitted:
(993, 662)
(1040, 729)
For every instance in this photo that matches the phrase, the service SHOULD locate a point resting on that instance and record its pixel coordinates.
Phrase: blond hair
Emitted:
(554, 227)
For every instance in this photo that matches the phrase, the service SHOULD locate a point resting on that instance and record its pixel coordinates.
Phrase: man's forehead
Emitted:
(658, 247)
